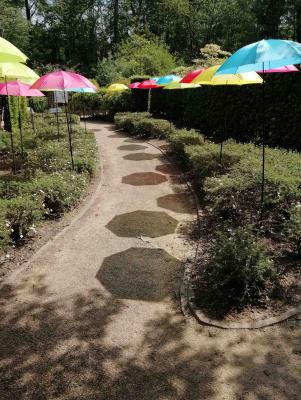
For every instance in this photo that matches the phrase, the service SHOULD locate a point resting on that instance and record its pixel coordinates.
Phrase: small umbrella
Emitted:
(148, 84)
(18, 89)
(10, 53)
(134, 85)
(117, 87)
(164, 80)
(63, 80)
(188, 78)
(180, 85)
(83, 90)
(262, 56)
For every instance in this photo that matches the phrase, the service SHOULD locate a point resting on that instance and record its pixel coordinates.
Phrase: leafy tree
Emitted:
(210, 55)
(137, 55)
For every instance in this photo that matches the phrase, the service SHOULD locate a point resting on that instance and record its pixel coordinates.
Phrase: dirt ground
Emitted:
(95, 313)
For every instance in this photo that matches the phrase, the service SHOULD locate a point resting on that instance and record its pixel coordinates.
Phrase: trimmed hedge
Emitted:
(223, 112)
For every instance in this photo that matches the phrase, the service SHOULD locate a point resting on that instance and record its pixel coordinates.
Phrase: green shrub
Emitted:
(39, 104)
(292, 227)
(179, 138)
(116, 102)
(127, 121)
(20, 215)
(238, 270)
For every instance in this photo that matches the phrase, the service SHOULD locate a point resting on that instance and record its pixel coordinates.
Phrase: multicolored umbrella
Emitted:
(209, 77)
(164, 80)
(188, 78)
(10, 53)
(262, 56)
(180, 85)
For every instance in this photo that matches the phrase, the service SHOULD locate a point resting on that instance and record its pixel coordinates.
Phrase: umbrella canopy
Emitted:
(117, 87)
(134, 85)
(164, 80)
(62, 80)
(179, 85)
(284, 69)
(82, 90)
(192, 75)
(18, 89)
(15, 70)
(10, 53)
(149, 84)
(263, 55)
(209, 78)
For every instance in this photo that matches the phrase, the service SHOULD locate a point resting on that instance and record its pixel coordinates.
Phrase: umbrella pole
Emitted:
(32, 117)
(57, 118)
(149, 100)
(263, 145)
(11, 132)
(69, 129)
(84, 118)
(20, 128)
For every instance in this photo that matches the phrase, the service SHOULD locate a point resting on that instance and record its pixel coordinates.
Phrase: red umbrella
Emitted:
(149, 84)
(191, 75)
(134, 85)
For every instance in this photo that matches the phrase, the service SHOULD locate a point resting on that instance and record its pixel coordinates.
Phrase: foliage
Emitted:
(44, 186)
(211, 55)
(238, 270)
(292, 228)
(136, 56)
(179, 138)
(39, 104)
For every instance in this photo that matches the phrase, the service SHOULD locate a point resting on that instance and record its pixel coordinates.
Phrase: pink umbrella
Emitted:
(134, 85)
(63, 80)
(287, 68)
(191, 75)
(17, 88)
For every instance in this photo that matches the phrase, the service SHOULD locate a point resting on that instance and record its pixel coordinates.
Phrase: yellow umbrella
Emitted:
(15, 70)
(179, 85)
(208, 77)
(10, 53)
(117, 87)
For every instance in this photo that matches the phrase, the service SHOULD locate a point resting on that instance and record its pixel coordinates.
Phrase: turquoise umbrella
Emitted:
(164, 80)
(262, 56)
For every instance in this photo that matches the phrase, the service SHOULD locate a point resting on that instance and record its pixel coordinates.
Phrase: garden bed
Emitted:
(249, 265)
(44, 187)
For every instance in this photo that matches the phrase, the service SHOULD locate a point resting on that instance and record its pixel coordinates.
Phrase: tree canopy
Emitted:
(91, 34)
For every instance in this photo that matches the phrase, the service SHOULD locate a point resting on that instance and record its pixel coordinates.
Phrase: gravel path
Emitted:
(94, 315)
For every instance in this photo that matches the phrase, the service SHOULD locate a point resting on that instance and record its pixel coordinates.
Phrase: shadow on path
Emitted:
(144, 178)
(139, 274)
(142, 223)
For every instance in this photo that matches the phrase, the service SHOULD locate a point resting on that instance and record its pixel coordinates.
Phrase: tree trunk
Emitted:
(116, 21)
(27, 10)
